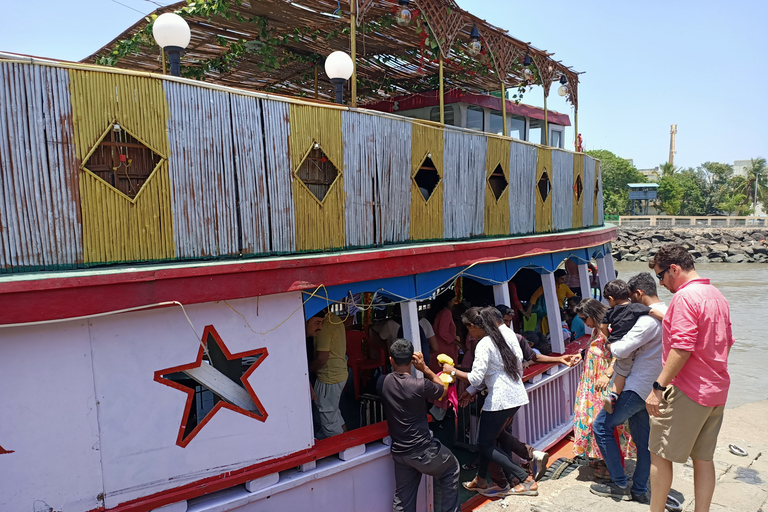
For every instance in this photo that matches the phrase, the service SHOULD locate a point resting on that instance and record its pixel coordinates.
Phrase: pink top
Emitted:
(445, 333)
(698, 321)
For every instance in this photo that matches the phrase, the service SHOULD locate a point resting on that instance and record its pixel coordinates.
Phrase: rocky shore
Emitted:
(705, 245)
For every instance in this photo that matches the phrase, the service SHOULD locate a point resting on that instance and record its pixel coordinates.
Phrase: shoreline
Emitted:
(742, 482)
(706, 245)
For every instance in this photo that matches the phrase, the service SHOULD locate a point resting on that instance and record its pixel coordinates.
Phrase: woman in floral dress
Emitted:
(592, 386)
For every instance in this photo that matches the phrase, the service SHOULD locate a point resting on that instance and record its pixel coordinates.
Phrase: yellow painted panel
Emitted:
(497, 212)
(426, 216)
(318, 225)
(116, 228)
(543, 207)
(578, 202)
(597, 191)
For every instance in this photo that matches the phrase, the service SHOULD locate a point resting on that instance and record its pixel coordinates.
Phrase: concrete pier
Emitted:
(742, 482)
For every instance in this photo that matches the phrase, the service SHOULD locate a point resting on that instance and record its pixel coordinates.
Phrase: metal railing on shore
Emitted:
(688, 222)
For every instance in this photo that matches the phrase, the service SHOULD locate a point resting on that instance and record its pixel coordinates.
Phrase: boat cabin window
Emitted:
(476, 118)
(556, 138)
(516, 126)
(434, 115)
(536, 131)
(497, 123)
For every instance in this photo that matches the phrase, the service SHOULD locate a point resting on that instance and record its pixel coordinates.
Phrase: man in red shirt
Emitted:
(688, 398)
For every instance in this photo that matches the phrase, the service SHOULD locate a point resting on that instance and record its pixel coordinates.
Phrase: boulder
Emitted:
(634, 249)
(735, 249)
(644, 244)
(630, 257)
(738, 258)
(702, 259)
(718, 248)
(716, 255)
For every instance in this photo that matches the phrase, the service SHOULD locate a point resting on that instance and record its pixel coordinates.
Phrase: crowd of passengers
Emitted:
(477, 350)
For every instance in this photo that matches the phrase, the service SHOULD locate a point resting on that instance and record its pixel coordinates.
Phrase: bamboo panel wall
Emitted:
(562, 190)
(589, 191)
(279, 176)
(202, 171)
(577, 212)
(116, 228)
(464, 182)
(253, 198)
(598, 213)
(39, 215)
(497, 211)
(318, 225)
(376, 179)
(544, 206)
(523, 162)
(426, 216)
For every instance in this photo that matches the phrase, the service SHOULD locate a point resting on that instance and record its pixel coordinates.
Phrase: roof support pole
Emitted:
(504, 109)
(353, 49)
(576, 129)
(546, 121)
(442, 93)
(316, 91)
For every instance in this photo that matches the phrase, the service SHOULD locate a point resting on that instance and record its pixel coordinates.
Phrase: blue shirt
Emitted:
(577, 327)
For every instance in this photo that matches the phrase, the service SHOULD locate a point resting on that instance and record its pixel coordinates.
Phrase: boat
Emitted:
(164, 238)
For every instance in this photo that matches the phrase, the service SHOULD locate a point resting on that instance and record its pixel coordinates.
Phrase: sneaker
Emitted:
(540, 460)
(609, 402)
(641, 498)
(611, 490)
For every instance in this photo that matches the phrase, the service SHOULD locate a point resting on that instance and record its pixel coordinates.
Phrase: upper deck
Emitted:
(102, 166)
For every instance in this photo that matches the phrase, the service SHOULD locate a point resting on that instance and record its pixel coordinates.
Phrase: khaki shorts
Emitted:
(685, 428)
(327, 402)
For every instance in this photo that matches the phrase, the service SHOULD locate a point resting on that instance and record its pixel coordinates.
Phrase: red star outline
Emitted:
(210, 331)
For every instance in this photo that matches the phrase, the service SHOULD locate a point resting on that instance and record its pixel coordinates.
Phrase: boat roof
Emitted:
(277, 45)
(431, 98)
(643, 185)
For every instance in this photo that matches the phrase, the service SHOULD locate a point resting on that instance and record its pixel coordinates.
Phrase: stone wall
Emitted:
(705, 245)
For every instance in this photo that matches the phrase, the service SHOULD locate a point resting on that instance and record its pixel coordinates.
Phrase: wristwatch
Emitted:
(453, 373)
(658, 386)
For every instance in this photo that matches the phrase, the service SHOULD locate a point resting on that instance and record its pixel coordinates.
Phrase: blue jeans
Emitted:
(629, 407)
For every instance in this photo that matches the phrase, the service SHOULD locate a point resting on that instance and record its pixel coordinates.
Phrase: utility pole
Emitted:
(672, 151)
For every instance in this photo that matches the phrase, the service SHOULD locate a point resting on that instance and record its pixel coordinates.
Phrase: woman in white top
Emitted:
(497, 366)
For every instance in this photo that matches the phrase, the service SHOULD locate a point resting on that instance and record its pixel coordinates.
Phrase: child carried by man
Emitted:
(621, 317)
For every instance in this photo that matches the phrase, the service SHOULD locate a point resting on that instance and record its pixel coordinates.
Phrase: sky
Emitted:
(700, 64)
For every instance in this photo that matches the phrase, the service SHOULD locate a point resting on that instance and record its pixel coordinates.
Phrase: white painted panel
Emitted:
(140, 418)
(364, 484)
(48, 420)
(600, 211)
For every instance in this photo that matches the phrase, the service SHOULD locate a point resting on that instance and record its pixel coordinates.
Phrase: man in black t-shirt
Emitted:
(414, 451)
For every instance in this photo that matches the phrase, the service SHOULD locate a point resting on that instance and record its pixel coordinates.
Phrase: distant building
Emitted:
(740, 169)
(641, 195)
(651, 174)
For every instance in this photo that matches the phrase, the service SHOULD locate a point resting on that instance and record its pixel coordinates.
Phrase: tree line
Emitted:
(709, 189)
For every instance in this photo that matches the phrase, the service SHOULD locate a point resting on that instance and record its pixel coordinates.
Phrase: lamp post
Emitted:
(339, 67)
(172, 34)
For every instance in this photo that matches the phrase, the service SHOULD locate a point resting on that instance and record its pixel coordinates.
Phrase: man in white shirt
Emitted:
(644, 340)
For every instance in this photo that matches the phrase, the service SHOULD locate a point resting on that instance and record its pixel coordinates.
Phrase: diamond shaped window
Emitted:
(122, 161)
(498, 182)
(317, 172)
(578, 188)
(544, 186)
(427, 178)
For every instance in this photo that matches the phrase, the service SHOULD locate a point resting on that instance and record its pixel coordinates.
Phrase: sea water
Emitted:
(745, 285)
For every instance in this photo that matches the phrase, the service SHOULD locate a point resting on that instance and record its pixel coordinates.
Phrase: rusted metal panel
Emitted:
(279, 176)
(377, 184)
(464, 181)
(202, 171)
(562, 190)
(522, 186)
(39, 215)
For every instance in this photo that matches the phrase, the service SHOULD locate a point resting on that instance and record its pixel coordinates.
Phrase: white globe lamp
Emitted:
(339, 68)
(172, 34)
